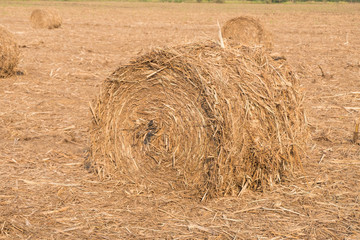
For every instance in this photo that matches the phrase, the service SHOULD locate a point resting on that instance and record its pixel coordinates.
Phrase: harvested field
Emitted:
(45, 191)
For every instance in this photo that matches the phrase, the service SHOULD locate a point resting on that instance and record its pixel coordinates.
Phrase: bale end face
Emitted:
(9, 53)
(199, 117)
(45, 18)
(247, 31)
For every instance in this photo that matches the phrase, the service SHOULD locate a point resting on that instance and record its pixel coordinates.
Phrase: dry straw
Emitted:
(45, 18)
(247, 31)
(9, 53)
(201, 117)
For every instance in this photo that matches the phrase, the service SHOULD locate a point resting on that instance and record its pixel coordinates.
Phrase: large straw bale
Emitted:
(248, 31)
(45, 18)
(9, 53)
(199, 117)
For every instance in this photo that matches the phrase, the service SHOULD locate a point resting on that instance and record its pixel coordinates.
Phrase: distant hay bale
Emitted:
(247, 31)
(199, 117)
(45, 18)
(9, 53)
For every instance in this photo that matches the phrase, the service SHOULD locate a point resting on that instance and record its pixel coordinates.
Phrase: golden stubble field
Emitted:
(45, 192)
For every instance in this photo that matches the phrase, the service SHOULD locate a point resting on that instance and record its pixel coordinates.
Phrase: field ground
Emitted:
(45, 193)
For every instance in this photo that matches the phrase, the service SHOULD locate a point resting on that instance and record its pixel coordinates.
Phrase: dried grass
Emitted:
(48, 105)
(45, 18)
(247, 31)
(200, 117)
(9, 53)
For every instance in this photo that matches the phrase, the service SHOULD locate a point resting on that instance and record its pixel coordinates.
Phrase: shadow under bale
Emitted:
(9, 53)
(199, 117)
(247, 31)
(45, 18)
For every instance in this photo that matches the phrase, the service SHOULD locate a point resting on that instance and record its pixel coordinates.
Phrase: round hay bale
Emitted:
(199, 117)
(45, 18)
(247, 31)
(9, 53)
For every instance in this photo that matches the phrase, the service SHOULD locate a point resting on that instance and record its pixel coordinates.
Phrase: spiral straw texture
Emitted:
(199, 117)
